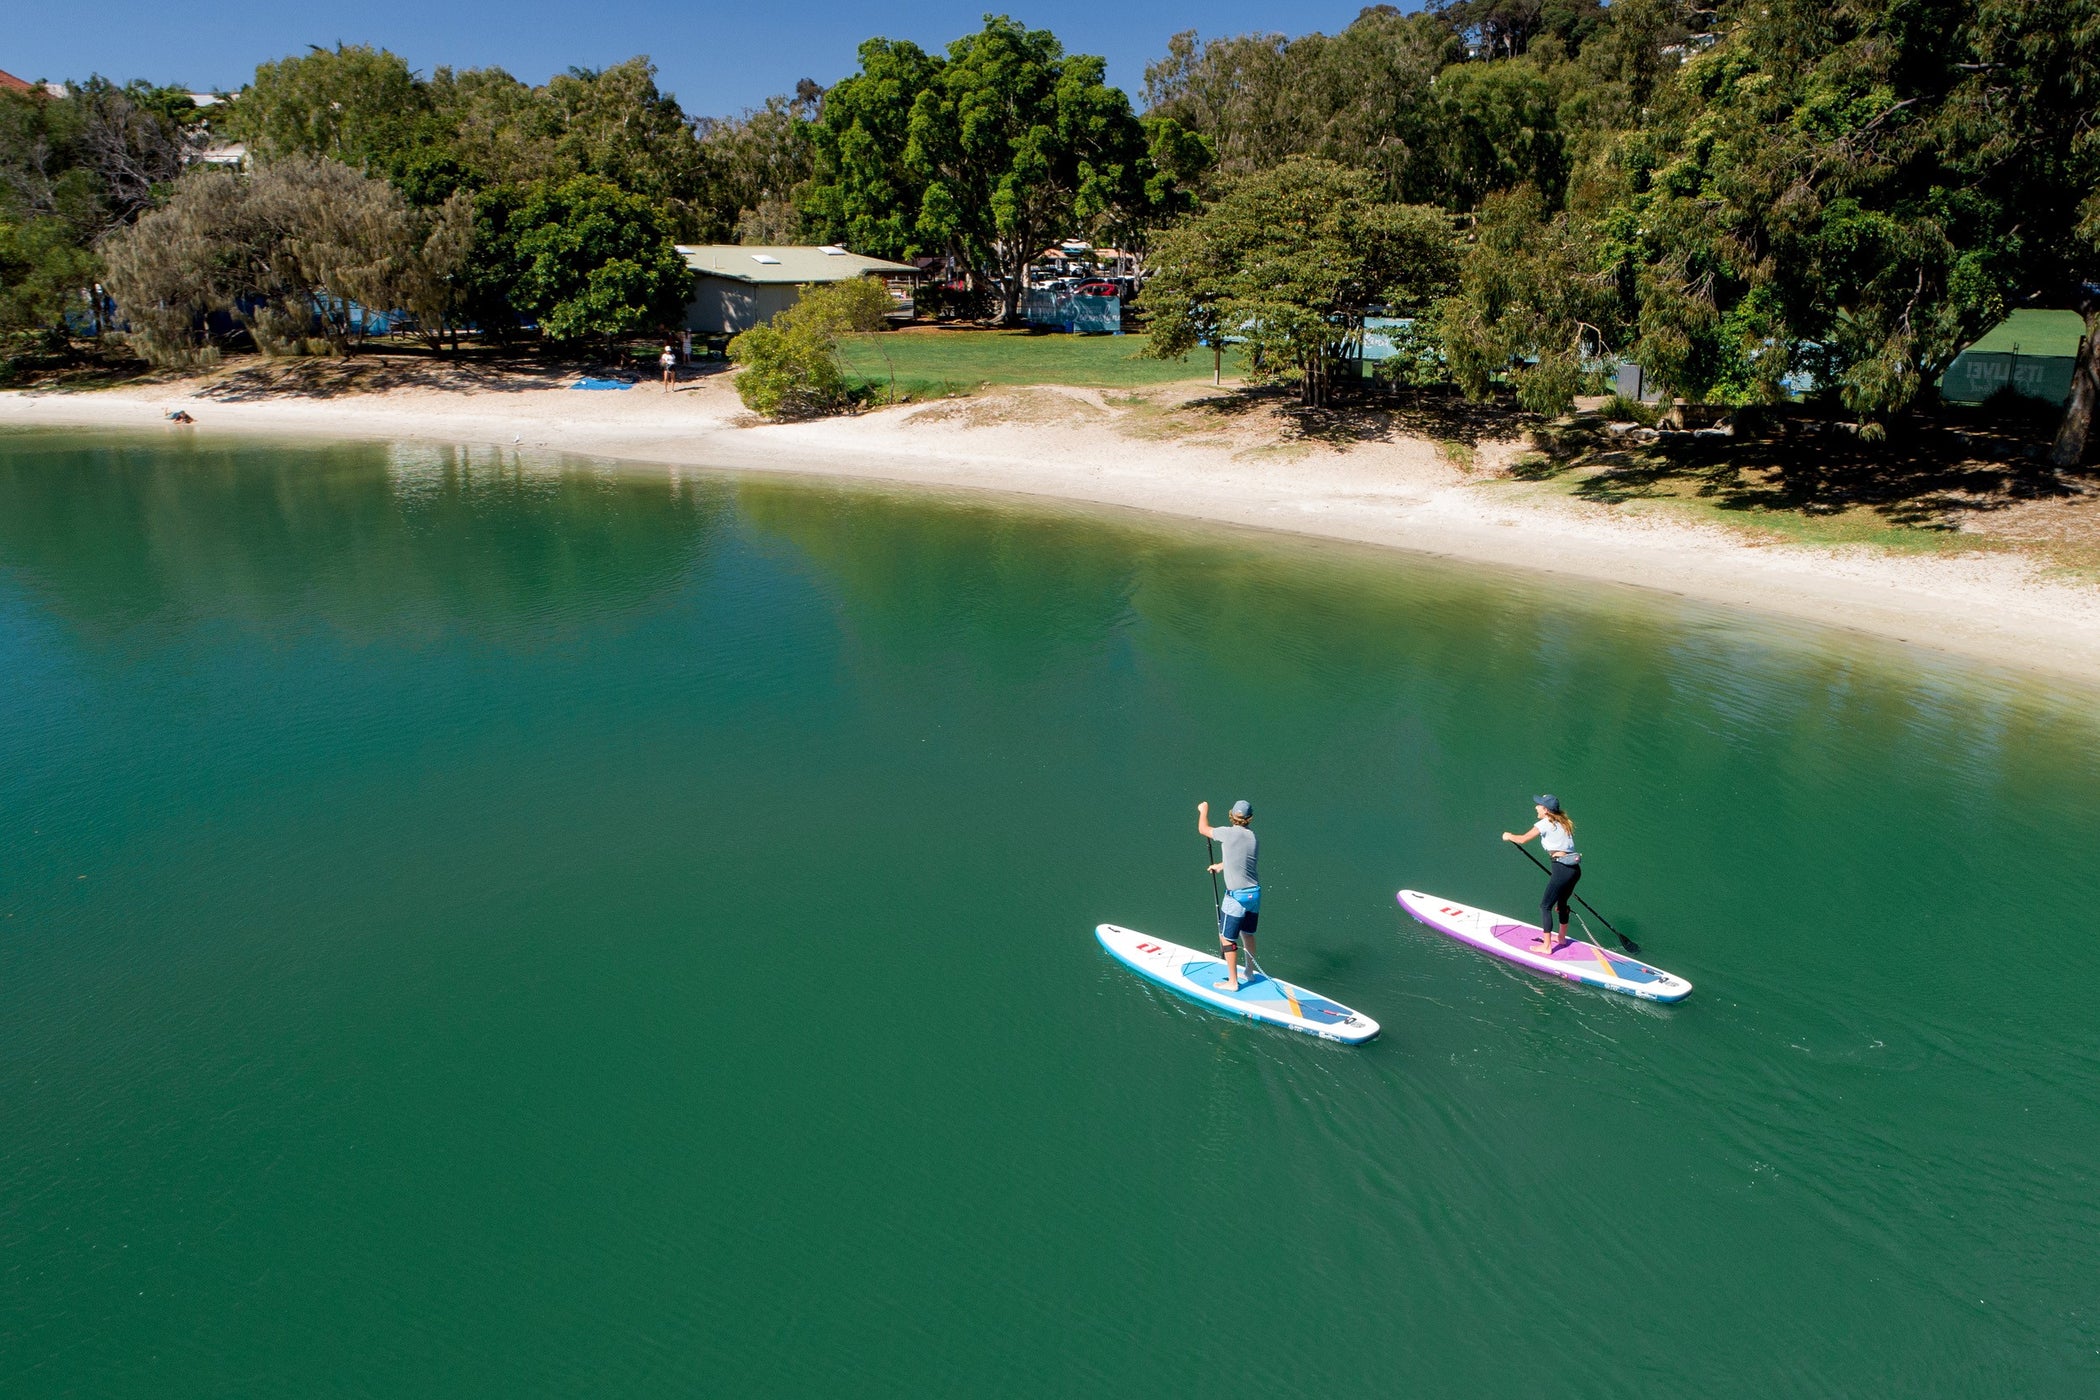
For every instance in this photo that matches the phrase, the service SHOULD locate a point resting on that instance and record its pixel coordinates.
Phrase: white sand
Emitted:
(1080, 445)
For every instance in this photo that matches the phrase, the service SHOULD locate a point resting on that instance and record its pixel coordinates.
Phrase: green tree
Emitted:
(353, 104)
(43, 273)
(582, 257)
(1237, 93)
(1364, 97)
(1614, 79)
(1498, 128)
(756, 164)
(985, 154)
(616, 123)
(72, 169)
(1859, 186)
(289, 251)
(863, 193)
(1532, 304)
(485, 129)
(1019, 143)
(1508, 28)
(1290, 260)
(790, 366)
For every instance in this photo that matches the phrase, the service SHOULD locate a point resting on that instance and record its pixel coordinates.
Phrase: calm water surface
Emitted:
(486, 928)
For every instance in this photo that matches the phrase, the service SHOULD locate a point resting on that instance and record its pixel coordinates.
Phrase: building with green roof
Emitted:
(736, 286)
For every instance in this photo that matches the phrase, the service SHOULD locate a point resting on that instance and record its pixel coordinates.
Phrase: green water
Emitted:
(492, 928)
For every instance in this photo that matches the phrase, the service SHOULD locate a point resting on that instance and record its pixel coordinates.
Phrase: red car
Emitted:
(1095, 289)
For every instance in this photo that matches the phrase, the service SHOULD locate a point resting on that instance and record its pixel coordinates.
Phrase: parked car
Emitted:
(1095, 289)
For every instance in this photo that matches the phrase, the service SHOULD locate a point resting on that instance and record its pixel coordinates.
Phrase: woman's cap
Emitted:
(1243, 808)
(1549, 802)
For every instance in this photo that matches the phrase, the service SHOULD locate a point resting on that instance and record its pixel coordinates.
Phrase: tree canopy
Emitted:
(582, 257)
(1289, 261)
(1752, 199)
(984, 154)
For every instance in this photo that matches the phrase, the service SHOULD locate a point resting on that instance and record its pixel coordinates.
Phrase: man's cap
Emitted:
(1243, 808)
(1549, 802)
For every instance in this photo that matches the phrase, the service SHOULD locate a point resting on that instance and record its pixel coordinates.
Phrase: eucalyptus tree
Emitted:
(1534, 304)
(756, 162)
(1508, 28)
(616, 123)
(353, 104)
(1363, 97)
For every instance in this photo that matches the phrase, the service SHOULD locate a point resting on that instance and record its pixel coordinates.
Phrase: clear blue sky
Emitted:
(716, 57)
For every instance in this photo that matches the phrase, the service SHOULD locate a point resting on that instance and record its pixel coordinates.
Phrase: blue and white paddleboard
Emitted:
(1188, 973)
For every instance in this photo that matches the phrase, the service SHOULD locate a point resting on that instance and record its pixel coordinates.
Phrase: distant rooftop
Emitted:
(10, 83)
(783, 263)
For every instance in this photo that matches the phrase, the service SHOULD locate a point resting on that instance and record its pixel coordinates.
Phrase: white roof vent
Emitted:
(832, 250)
(765, 258)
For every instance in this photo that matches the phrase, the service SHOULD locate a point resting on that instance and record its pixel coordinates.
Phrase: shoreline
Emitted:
(1104, 449)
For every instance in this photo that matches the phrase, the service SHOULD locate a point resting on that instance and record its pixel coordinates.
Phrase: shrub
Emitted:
(791, 365)
(1620, 409)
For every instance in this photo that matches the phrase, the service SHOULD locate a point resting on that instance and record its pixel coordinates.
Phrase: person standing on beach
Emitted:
(1240, 910)
(669, 360)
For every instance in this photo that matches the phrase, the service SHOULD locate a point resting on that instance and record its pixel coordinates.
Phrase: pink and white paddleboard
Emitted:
(1524, 945)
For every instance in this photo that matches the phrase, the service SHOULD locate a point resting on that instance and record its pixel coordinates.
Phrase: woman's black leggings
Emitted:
(1559, 885)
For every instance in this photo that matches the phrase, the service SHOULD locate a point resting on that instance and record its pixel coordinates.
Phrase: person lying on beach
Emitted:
(181, 415)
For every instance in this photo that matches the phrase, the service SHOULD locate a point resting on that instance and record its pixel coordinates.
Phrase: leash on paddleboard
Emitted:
(1589, 936)
(1624, 941)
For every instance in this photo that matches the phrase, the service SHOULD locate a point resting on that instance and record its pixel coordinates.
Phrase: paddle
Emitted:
(1627, 943)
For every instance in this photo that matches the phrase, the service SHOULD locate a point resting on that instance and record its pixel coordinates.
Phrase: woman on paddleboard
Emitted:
(1556, 832)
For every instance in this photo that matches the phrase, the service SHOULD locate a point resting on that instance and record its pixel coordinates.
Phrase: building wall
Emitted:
(721, 306)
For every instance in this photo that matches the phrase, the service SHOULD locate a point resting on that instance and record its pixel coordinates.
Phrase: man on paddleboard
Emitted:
(1240, 909)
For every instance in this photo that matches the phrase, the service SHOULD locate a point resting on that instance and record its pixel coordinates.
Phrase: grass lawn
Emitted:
(936, 364)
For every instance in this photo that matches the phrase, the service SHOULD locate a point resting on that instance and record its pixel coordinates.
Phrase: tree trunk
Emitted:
(1013, 268)
(2074, 433)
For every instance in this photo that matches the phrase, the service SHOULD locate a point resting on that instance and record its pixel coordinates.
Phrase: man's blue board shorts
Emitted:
(1239, 913)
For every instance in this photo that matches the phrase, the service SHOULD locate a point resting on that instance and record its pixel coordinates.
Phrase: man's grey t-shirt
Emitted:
(1236, 845)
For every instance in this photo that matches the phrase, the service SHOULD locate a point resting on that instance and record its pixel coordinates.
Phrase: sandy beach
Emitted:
(1153, 452)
